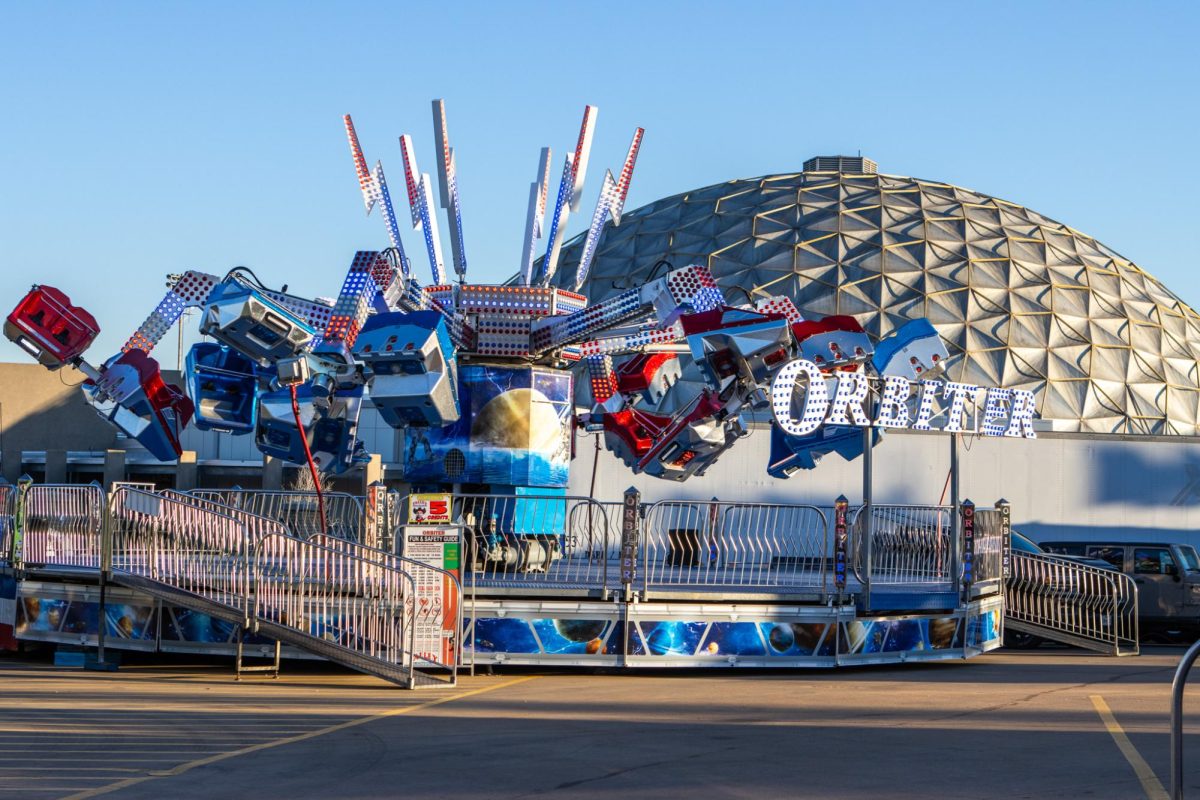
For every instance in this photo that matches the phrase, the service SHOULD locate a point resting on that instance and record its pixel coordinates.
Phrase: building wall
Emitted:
(44, 410)
(1067, 485)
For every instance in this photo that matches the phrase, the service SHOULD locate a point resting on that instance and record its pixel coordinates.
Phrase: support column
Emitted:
(11, 465)
(955, 513)
(186, 471)
(272, 473)
(114, 467)
(56, 466)
(867, 514)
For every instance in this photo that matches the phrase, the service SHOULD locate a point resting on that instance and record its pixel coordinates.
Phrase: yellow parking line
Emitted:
(201, 762)
(1150, 784)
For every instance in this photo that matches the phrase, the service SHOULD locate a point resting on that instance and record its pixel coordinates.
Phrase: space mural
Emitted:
(749, 638)
(515, 430)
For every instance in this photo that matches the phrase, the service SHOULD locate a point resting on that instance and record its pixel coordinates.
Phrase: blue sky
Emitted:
(143, 138)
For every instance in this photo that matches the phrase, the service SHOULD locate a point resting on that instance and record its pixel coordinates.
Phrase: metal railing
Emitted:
(1071, 602)
(1177, 687)
(256, 524)
(62, 525)
(298, 511)
(8, 507)
(332, 597)
(189, 548)
(355, 607)
(530, 541)
(436, 606)
(910, 544)
(733, 545)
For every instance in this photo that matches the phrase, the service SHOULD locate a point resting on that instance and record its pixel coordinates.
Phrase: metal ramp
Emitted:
(1063, 601)
(363, 608)
(336, 599)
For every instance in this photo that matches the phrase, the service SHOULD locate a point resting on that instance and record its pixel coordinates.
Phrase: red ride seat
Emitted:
(49, 328)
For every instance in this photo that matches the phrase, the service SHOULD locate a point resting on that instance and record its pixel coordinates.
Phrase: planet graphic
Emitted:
(665, 638)
(713, 648)
(594, 646)
(519, 419)
(80, 618)
(856, 636)
(580, 630)
(906, 635)
(808, 635)
(781, 638)
(941, 632)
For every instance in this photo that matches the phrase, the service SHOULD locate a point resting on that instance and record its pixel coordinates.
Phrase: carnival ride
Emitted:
(294, 372)
(480, 378)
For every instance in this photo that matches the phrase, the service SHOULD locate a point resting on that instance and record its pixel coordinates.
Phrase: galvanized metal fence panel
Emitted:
(734, 546)
(910, 544)
(1072, 602)
(298, 511)
(256, 524)
(62, 525)
(436, 607)
(529, 541)
(355, 606)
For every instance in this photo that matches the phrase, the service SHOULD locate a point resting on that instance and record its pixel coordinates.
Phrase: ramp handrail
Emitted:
(358, 606)
(189, 548)
(297, 510)
(335, 598)
(730, 544)
(909, 544)
(256, 524)
(433, 619)
(1078, 601)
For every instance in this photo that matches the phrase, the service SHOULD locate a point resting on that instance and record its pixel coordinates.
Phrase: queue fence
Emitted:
(910, 545)
(299, 511)
(722, 544)
(61, 525)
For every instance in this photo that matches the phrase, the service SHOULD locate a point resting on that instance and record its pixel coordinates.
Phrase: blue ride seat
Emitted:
(223, 384)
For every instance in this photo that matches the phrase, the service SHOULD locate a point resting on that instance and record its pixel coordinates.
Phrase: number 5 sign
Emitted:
(429, 509)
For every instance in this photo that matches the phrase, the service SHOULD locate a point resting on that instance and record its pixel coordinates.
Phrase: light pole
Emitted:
(172, 279)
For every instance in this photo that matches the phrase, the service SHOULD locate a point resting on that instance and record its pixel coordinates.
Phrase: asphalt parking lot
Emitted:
(1046, 723)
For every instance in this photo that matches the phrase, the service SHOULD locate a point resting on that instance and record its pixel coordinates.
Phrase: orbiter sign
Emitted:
(1006, 412)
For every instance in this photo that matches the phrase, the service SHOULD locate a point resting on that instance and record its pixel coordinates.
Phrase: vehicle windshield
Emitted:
(1023, 544)
(1187, 554)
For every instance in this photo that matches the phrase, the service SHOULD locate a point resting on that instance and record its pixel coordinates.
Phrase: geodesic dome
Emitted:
(1023, 301)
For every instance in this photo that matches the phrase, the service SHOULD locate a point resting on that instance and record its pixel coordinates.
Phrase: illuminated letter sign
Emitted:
(893, 403)
(816, 398)
(1006, 412)
(851, 393)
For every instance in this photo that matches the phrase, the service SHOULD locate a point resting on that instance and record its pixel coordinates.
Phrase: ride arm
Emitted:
(687, 290)
(190, 291)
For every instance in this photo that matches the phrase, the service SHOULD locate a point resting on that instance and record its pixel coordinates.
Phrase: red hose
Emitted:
(312, 468)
